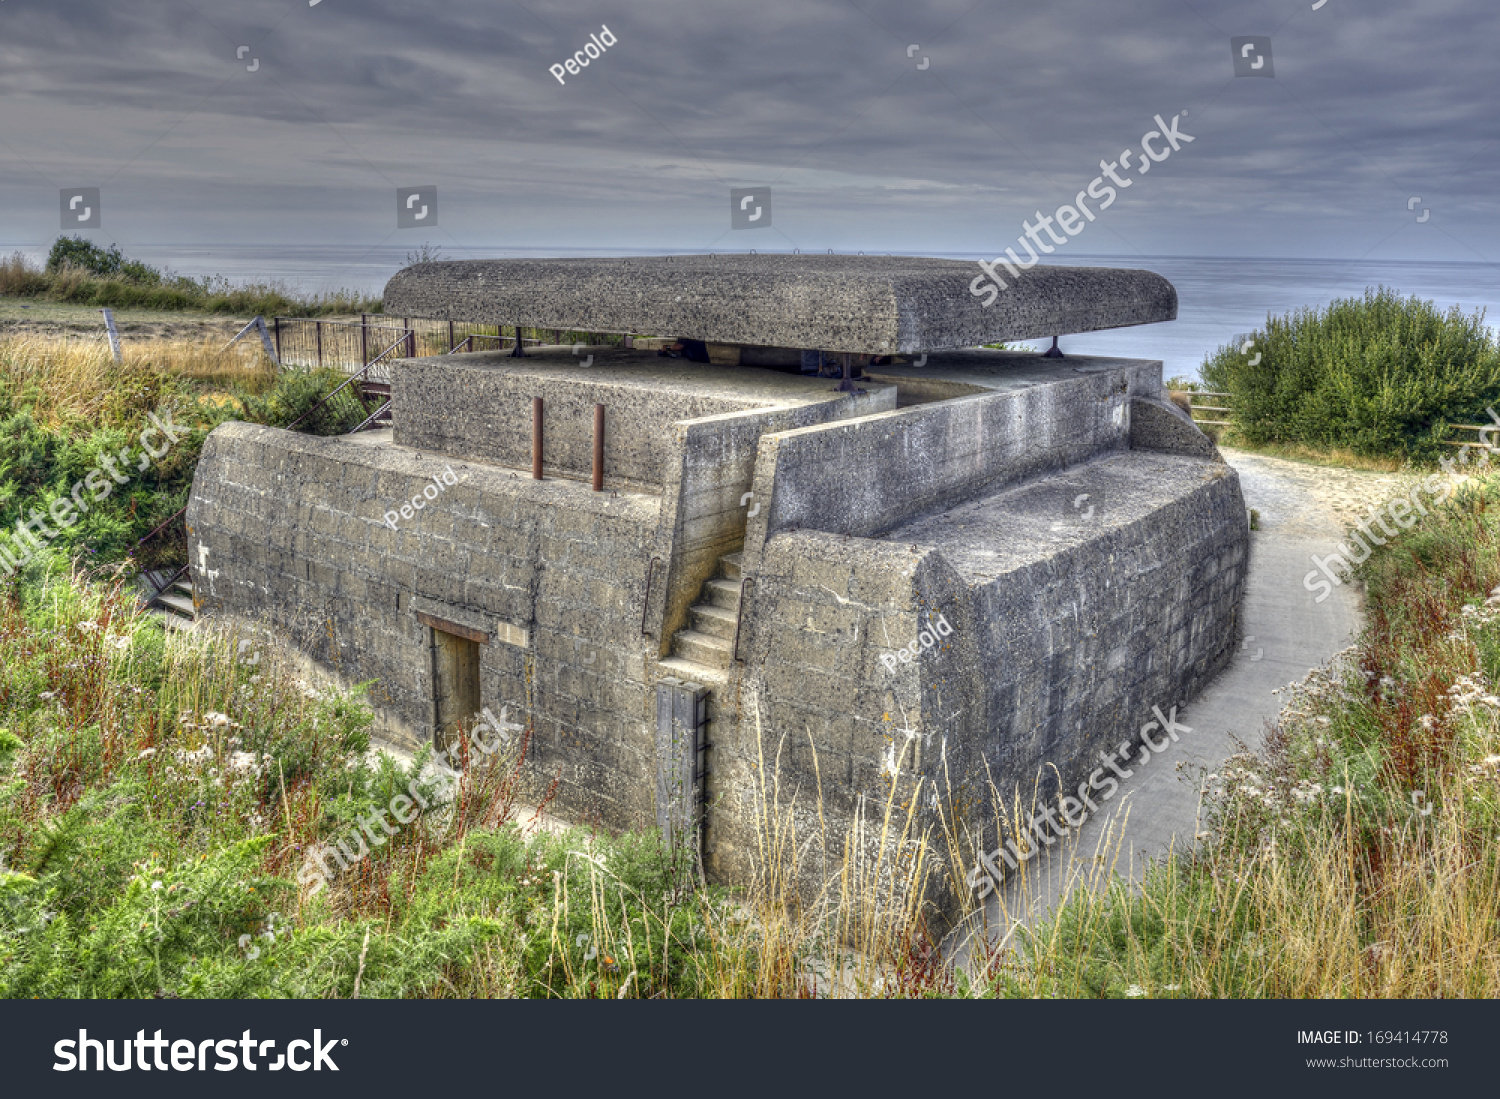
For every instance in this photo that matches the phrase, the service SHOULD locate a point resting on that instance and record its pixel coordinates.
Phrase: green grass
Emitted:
(66, 406)
(157, 799)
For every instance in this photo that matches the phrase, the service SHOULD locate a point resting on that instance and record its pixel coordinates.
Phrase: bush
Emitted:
(1379, 376)
(88, 256)
(297, 392)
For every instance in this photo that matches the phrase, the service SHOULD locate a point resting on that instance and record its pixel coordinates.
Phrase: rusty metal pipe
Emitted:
(536, 438)
(598, 448)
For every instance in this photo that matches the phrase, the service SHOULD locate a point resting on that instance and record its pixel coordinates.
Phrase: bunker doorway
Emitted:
(455, 681)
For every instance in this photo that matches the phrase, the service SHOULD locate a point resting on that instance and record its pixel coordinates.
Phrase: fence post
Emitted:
(276, 321)
(411, 339)
(450, 337)
(364, 340)
(536, 438)
(598, 448)
(114, 334)
(319, 325)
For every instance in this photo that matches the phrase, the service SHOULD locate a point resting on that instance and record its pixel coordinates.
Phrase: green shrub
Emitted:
(297, 392)
(1379, 376)
(88, 256)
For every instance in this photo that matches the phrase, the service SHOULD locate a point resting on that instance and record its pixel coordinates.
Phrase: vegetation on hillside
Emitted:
(1380, 376)
(67, 409)
(160, 795)
(80, 272)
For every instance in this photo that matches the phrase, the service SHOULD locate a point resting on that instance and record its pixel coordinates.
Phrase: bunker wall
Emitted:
(1040, 667)
(286, 530)
(708, 500)
(867, 475)
(483, 411)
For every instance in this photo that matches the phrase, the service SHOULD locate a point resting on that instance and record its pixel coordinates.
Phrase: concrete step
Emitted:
(724, 593)
(185, 587)
(703, 648)
(179, 604)
(731, 565)
(693, 672)
(716, 621)
(171, 619)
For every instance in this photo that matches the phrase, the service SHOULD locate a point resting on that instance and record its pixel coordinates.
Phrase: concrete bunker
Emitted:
(763, 543)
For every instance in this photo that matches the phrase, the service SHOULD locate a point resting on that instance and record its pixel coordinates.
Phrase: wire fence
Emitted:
(351, 346)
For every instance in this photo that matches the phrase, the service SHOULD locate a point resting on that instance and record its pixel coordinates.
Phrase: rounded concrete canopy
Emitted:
(865, 304)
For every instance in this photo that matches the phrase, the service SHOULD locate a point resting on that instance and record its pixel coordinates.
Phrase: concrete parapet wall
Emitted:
(867, 475)
(480, 407)
(705, 498)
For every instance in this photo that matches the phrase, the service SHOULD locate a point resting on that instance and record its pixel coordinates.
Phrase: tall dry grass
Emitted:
(79, 379)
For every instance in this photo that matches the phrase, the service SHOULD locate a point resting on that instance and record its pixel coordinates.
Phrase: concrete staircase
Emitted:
(175, 605)
(703, 651)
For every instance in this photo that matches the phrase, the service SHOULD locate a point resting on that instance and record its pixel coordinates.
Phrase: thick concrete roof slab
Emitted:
(867, 304)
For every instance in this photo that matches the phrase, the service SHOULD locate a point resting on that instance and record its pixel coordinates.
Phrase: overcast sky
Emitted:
(1373, 103)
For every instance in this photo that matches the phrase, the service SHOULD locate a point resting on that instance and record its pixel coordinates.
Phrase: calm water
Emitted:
(1218, 298)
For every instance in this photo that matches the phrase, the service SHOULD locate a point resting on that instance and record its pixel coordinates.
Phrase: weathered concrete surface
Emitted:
(867, 304)
(1080, 568)
(1156, 424)
(479, 406)
(1064, 627)
(1303, 512)
(287, 530)
(1029, 416)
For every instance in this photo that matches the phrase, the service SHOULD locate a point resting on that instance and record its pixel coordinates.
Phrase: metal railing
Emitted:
(353, 389)
(346, 345)
(1219, 408)
(179, 571)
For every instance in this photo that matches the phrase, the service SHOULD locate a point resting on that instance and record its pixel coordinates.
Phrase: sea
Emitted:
(1220, 300)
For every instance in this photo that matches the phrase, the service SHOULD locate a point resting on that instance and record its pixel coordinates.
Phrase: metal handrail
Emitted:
(158, 592)
(159, 529)
(361, 372)
(739, 615)
(646, 603)
(372, 417)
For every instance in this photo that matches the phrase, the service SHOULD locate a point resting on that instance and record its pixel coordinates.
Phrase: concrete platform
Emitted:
(865, 304)
(1036, 521)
